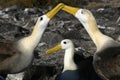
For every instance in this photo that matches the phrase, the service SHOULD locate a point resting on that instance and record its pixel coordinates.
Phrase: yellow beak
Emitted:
(71, 10)
(54, 49)
(51, 13)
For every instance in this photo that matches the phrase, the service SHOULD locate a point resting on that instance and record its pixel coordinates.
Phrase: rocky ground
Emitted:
(16, 22)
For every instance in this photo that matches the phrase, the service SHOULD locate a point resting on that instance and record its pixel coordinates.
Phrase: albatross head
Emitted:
(84, 15)
(65, 44)
(44, 19)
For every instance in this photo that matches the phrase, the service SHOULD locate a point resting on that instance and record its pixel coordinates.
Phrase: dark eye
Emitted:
(41, 18)
(64, 42)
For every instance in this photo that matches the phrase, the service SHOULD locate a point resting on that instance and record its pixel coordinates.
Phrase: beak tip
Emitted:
(47, 53)
(55, 10)
(61, 4)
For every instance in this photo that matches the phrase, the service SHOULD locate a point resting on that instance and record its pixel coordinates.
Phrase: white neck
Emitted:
(30, 42)
(98, 38)
(91, 27)
(69, 63)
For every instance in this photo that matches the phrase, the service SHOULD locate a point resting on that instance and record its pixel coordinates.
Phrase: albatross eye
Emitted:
(64, 42)
(41, 18)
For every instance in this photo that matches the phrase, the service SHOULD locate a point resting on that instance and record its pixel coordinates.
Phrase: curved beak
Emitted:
(70, 9)
(51, 13)
(54, 49)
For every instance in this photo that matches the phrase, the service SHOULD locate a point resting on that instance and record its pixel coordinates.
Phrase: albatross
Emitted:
(70, 70)
(106, 59)
(15, 56)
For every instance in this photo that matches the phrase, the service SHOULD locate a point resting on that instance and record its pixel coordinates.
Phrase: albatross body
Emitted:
(70, 71)
(15, 56)
(106, 60)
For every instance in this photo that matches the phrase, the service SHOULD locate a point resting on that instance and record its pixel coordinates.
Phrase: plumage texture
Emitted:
(107, 61)
(5, 56)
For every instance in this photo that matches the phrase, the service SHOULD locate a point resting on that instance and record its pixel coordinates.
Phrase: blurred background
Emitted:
(46, 3)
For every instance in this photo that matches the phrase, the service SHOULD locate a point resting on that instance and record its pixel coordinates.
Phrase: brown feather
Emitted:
(8, 55)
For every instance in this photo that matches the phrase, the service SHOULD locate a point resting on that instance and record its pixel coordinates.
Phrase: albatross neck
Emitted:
(31, 41)
(69, 63)
(98, 38)
(37, 34)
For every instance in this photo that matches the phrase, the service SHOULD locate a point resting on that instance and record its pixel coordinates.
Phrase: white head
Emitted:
(85, 16)
(65, 44)
(69, 54)
(43, 21)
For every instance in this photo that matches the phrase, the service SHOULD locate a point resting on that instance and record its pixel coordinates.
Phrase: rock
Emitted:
(41, 73)
(11, 8)
(49, 39)
(18, 76)
(12, 32)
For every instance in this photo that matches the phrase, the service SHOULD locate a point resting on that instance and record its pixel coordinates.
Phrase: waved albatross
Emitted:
(15, 56)
(70, 70)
